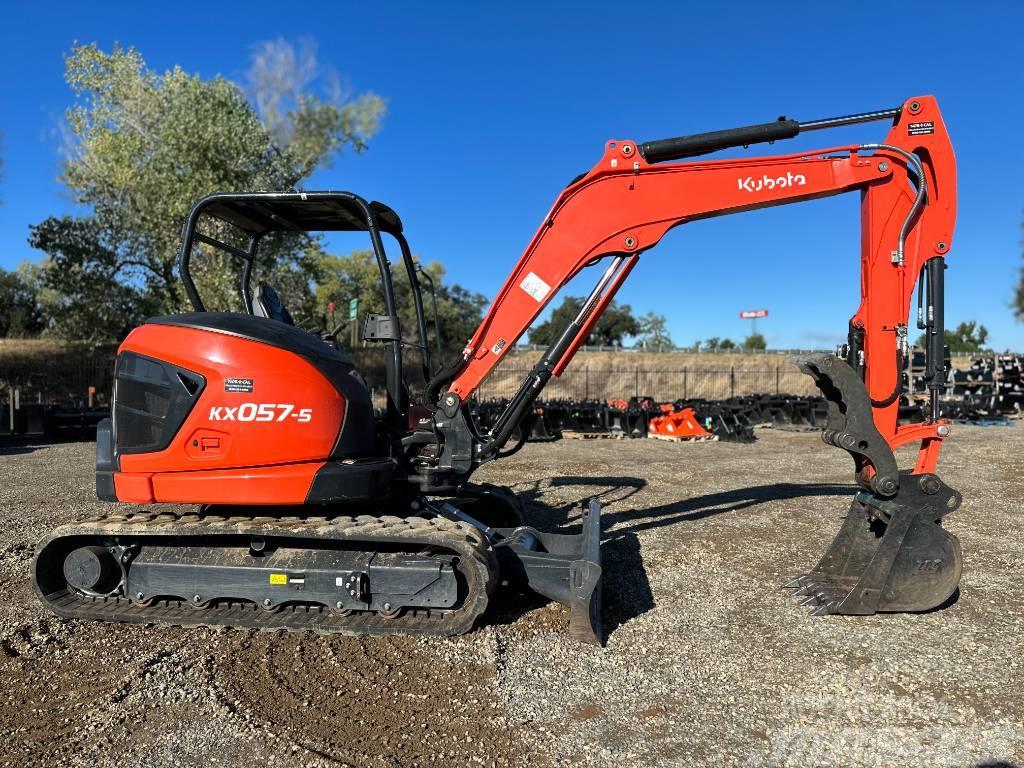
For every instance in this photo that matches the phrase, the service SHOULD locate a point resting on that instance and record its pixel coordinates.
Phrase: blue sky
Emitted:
(494, 108)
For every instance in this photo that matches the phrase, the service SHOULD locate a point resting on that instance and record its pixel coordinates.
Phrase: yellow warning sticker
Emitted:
(279, 578)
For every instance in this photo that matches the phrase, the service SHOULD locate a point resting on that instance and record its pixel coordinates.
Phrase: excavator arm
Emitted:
(626, 203)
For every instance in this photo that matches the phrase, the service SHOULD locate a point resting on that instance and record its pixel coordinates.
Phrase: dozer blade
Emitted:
(890, 554)
(562, 567)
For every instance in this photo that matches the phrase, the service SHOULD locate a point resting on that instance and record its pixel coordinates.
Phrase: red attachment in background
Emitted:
(677, 425)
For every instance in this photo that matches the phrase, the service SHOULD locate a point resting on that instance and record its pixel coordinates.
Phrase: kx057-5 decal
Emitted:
(260, 412)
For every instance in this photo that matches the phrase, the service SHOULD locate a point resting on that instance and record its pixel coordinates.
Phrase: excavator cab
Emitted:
(252, 217)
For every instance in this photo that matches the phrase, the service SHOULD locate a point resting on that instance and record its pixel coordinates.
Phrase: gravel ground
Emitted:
(707, 662)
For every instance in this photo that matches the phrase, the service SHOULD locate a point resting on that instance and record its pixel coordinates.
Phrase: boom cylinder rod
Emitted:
(591, 302)
(861, 117)
(595, 314)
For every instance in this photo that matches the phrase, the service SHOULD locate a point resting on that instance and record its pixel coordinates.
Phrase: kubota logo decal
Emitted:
(750, 184)
(260, 412)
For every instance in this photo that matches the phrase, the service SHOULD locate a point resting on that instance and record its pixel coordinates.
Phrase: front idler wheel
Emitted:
(93, 570)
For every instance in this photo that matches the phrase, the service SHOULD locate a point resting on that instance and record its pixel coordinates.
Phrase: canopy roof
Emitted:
(261, 212)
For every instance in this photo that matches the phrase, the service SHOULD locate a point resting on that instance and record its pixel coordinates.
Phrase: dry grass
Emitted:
(662, 375)
(13, 351)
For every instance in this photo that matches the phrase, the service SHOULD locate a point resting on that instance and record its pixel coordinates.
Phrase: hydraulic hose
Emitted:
(433, 389)
(922, 191)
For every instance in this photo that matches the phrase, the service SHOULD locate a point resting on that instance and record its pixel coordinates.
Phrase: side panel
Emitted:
(268, 485)
(261, 405)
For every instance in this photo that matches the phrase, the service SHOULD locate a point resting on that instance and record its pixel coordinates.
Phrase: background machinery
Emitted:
(320, 512)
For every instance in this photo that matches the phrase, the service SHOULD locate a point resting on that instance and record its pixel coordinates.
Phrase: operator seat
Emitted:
(266, 303)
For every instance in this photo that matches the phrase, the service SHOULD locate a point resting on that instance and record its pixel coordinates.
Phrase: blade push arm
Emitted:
(625, 204)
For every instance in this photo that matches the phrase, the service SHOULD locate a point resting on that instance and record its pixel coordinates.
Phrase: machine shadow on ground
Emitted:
(636, 519)
(16, 448)
(697, 508)
(627, 591)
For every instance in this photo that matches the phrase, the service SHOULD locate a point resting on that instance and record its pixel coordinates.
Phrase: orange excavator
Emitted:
(319, 512)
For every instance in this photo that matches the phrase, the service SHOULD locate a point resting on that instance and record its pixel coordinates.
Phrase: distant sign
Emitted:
(353, 309)
(750, 314)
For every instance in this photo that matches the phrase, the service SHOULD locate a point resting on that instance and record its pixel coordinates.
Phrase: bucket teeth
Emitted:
(799, 582)
(825, 608)
(814, 592)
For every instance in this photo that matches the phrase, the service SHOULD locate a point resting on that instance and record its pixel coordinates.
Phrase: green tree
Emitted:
(654, 333)
(755, 342)
(311, 128)
(80, 287)
(715, 343)
(357, 276)
(146, 145)
(611, 329)
(19, 303)
(966, 337)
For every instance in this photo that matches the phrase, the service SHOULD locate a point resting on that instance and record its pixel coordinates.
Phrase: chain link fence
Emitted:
(64, 391)
(72, 380)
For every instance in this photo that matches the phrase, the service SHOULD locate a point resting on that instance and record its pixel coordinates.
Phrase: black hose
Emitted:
(432, 391)
(524, 434)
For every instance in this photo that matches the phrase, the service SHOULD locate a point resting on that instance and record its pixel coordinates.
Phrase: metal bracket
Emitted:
(380, 328)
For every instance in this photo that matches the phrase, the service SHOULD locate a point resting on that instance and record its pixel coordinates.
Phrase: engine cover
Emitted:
(228, 408)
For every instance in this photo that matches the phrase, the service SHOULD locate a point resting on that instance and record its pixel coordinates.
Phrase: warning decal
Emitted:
(536, 287)
(279, 578)
(238, 385)
(920, 129)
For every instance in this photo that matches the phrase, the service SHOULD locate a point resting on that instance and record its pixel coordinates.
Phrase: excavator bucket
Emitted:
(892, 553)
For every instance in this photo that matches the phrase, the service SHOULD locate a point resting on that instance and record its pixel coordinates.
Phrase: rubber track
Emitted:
(477, 564)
